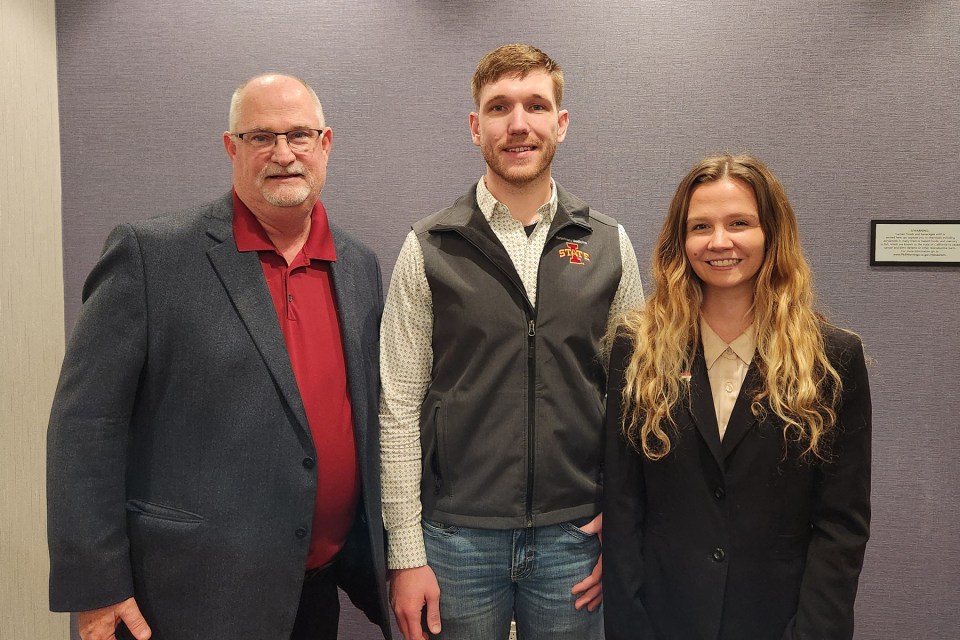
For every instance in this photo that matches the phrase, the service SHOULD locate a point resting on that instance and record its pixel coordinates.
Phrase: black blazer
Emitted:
(738, 540)
(178, 442)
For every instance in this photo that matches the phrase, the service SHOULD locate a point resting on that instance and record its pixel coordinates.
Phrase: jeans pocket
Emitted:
(576, 532)
(438, 529)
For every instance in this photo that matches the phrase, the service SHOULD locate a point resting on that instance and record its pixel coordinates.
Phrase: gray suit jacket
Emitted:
(179, 455)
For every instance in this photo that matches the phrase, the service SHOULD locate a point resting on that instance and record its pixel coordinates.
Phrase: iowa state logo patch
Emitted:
(573, 251)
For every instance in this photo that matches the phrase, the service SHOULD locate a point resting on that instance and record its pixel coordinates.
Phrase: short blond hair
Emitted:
(518, 60)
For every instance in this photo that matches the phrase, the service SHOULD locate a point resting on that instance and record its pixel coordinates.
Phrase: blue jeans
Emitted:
(487, 576)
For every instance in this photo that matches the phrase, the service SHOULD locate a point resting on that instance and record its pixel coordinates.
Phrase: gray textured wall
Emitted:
(853, 103)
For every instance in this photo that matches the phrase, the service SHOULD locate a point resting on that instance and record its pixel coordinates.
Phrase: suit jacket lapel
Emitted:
(741, 418)
(242, 277)
(345, 283)
(701, 407)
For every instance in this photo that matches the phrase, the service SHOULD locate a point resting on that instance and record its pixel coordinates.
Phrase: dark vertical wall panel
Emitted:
(853, 103)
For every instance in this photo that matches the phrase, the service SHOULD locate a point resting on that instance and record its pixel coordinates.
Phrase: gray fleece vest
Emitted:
(511, 426)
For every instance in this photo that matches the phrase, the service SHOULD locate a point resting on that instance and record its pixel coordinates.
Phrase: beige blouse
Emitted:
(727, 366)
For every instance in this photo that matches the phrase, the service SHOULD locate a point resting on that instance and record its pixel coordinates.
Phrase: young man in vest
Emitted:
(492, 397)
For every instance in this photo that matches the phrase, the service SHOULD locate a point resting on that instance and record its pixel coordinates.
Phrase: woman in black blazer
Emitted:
(737, 474)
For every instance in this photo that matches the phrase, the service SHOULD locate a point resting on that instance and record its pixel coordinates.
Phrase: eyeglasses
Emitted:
(300, 140)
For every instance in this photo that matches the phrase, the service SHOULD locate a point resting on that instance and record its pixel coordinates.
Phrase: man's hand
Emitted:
(590, 589)
(411, 590)
(101, 624)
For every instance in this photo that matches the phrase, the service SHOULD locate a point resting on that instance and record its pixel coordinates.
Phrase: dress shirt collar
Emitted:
(489, 205)
(743, 345)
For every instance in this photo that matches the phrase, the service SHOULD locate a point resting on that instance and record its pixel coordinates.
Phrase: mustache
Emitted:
(295, 169)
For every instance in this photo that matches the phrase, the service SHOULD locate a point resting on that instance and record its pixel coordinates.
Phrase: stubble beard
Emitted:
(519, 176)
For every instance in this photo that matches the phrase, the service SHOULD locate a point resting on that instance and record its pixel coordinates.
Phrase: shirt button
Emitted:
(290, 298)
(308, 463)
(720, 494)
(728, 387)
(301, 533)
(719, 555)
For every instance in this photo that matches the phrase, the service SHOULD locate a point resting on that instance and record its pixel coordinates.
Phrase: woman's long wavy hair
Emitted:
(799, 385)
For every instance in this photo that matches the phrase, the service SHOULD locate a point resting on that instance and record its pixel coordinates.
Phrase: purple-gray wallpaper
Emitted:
(853, 104)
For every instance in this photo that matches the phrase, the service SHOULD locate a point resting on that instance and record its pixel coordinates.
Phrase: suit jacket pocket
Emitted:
(163, 512)
(164, 541)
(170, 561)
(791, 546)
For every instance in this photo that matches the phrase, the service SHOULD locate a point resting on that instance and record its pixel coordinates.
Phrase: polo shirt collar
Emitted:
(250, 235)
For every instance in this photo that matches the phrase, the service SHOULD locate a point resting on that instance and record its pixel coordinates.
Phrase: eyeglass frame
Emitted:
(276, 136)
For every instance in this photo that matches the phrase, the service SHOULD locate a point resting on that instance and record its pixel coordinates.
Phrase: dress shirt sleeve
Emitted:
(406, 358)
(629, 293)
(89, 430)
(841, 515)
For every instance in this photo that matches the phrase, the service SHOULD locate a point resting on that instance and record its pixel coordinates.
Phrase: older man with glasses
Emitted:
(213, 444)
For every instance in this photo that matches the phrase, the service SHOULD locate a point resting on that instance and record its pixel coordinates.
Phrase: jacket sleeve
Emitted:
(89, 430)
(625, 617)
(841, 514)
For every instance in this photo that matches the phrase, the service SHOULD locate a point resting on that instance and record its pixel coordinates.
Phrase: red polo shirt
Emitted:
(305, 303)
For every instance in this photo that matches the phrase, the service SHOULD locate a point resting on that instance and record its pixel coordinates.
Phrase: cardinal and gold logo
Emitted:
(573, 251)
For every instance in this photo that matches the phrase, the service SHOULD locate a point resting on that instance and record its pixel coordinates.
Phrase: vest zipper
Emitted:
(531, 367)
(531, 414)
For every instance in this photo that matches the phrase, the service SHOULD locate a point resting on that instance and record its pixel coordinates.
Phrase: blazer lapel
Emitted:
(701, 407)
(242, 277)
(741, 418)
(345, 284)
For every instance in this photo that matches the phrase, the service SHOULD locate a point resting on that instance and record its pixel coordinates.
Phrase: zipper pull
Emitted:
(532, 330)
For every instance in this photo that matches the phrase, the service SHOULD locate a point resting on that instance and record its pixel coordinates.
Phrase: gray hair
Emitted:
(238, 96)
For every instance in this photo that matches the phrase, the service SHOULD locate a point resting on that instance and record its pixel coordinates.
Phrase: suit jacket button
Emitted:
(308, 463)
(720, 494)
(719, 554)
(301, 532)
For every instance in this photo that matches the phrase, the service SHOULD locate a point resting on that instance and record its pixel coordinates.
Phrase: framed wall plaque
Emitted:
(915, 242)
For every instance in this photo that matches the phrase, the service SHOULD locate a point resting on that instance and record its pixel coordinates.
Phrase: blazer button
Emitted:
(308, 463)
(720, 494)
(719, 554)
(301, 532)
